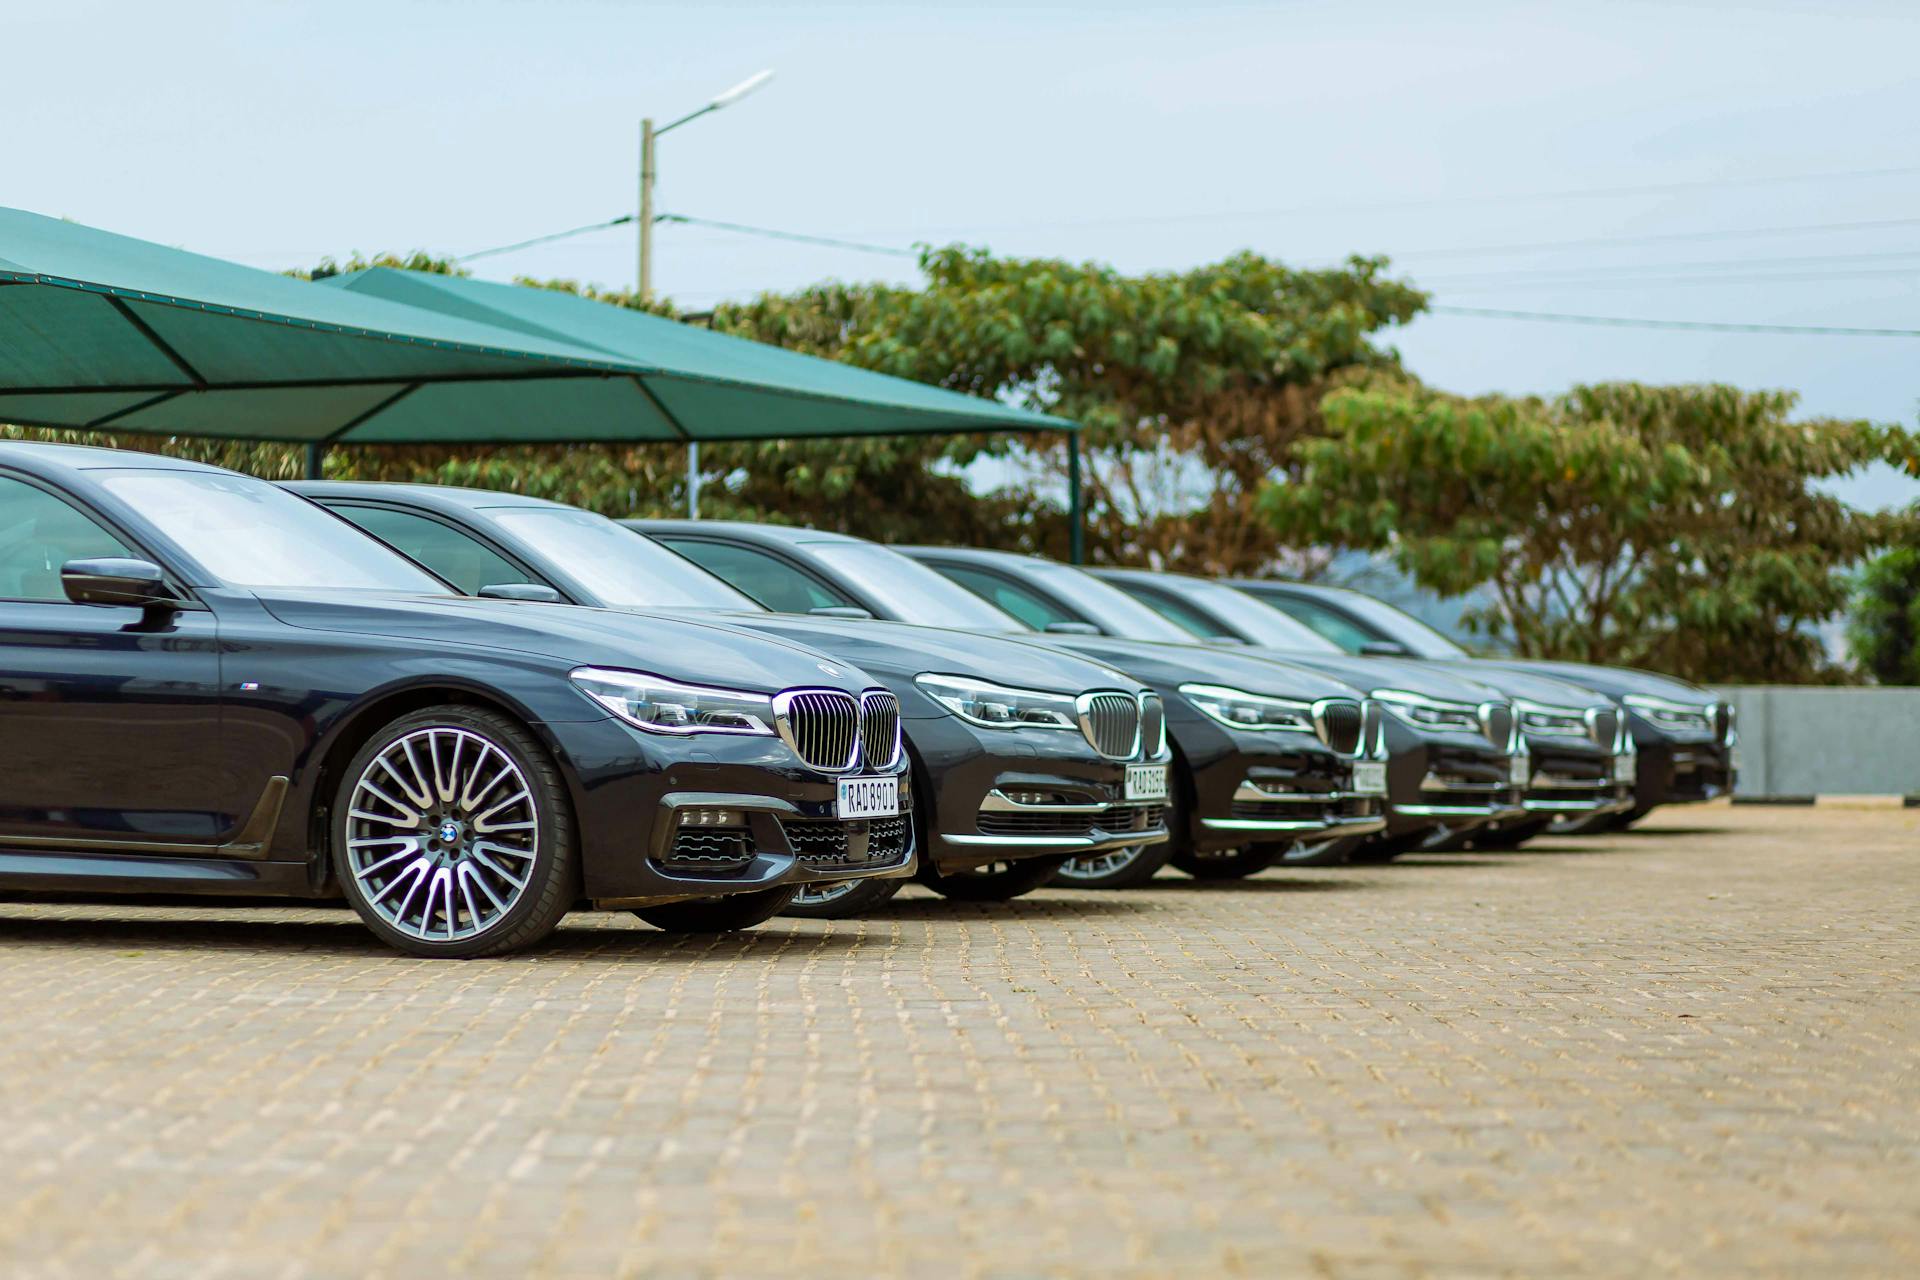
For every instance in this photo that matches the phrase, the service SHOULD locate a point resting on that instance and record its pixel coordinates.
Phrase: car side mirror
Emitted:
(1383, 649)
(520, 591)
(1072, 629)
(116, 581)
(852, 611)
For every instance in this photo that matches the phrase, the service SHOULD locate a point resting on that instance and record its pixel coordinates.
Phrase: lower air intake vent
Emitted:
(1339, 724)
(1111, 722)
(822, 726)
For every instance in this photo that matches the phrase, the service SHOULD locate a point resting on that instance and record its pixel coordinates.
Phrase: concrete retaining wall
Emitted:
(1802, 742)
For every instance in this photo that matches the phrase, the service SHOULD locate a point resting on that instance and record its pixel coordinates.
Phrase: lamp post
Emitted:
(648, 135)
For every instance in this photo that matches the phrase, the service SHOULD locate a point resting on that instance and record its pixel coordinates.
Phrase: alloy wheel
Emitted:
(442, 834)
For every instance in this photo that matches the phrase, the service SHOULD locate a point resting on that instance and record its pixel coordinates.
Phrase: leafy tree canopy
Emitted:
(1884, 628)
(1680, 528)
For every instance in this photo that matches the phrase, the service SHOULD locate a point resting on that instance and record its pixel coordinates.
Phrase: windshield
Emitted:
(621, 567)
(1403, 628)
(1255, 622)
(1105, 605)
(248, 533)
(910, 591)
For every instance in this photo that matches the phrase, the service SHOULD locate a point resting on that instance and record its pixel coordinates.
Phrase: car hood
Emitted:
(1170, 665)
(1392, 673)
(1517, 683)
(1616, 682)
(906, 650)
(706, 652)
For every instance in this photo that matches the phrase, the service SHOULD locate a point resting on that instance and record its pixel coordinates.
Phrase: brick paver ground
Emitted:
(1690, 1049)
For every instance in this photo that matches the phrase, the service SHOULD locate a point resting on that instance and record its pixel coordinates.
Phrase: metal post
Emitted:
(693, 479)
(1076, 517)
(646, 210)
(316, 460)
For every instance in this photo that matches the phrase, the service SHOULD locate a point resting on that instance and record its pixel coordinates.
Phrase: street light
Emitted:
(647, 172)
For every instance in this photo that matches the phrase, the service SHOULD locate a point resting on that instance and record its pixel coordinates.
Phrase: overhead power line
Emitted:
(558, 235)
(795, 236)
(1667, 237)
(1630, 322)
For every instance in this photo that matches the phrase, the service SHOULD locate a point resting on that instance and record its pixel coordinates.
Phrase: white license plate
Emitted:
(867, 798)
(1370, 778)
(1520, 770)
(1146, 782)
(1624, 768)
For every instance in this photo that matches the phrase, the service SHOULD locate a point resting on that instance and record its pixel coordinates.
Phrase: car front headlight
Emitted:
(1551, 722)
(1423, 712)
(1687, 717)
(996, 706)
(667, 706)
(1238, 709)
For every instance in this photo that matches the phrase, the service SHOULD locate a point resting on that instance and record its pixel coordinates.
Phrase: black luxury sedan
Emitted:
(211, 686)
(1271, 762)
(1580, 765)
(1025, 755)
(1687, 742)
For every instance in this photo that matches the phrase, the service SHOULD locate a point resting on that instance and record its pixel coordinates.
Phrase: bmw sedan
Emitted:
(1686, 744)
(1026, 755)
(1266, 755)
(210, 686)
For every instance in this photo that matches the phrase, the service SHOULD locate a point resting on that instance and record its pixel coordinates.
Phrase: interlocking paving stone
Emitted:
(1694, 1048)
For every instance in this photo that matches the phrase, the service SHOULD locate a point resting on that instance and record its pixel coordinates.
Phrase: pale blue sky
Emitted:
(1148, 135)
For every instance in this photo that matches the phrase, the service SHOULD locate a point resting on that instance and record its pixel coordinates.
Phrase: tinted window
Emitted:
(911, 592)
(1034, 610)
(620, 567)
(249, 533)
(447, 551)
(38, 534)
(1333, 626)
(1105, 605)
(1180, 615)
(768, 579)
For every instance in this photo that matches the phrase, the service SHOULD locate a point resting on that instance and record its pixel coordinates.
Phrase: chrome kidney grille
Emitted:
(1603, 726)
(1153, 725)
(879, 729)
(1340, 724)
(1111, 723)
(1496, 721)
(835, 732)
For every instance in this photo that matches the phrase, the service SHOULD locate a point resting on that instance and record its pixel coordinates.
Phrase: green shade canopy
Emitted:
(99, 330)
(699, 385)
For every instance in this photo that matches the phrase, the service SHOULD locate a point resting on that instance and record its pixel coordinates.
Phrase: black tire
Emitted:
(550, 859)
(1327, 853)
(1384, 848)
(1449, 840)
(996, 882)
(719, 915)
(1510, 835)
(1127, 868)
(1228, 864)
(842, 900)
(1587, 824)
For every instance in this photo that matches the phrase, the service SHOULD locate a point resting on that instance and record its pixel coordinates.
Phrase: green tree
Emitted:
(1681, 528)
(1884, 627)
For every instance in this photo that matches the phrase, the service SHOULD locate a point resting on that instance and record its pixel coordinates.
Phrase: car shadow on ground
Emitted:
(1041, 904)
(577, 938)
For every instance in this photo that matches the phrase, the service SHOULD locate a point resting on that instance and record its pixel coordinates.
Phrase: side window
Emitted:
(460, 559)
(38, 534)
(1181, 615)
(1034, 610)
(1333, 626)
(771, 582)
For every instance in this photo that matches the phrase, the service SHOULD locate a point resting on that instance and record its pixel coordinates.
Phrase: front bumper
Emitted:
(1448, 781)
(630, 792)
(1574, 779)
(992, 795)
(1241, 787)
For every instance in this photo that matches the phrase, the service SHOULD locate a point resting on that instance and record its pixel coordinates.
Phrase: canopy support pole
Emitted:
(1075, 515)
(316, 459)
(693, 479)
